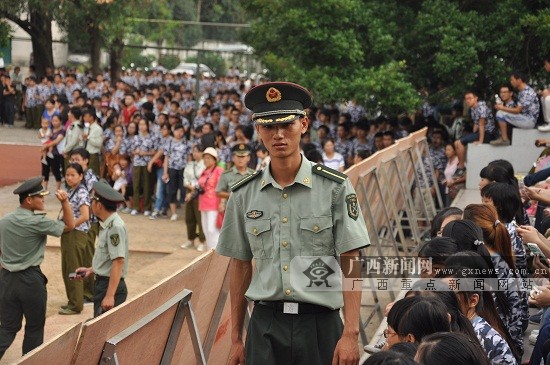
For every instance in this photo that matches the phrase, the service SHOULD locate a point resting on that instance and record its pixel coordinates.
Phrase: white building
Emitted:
(21, 46)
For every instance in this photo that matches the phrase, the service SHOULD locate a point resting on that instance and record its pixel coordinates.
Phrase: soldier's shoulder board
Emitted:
(329, 173)
(245, 180)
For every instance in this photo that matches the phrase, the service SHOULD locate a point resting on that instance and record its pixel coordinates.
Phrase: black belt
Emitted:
(290, 307)
(28, 268)
(100, 278)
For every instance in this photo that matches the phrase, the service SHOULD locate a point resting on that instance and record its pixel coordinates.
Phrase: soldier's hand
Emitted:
(236, 354)
(107, 303)
(61, 195)
(83, 273)
(346, 351)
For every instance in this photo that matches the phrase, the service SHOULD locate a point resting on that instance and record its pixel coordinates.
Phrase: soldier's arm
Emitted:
(68, 217)
(114, 279)
(240, 276)
(346, 351)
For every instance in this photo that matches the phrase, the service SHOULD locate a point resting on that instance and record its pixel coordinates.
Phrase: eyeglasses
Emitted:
(387, 333)
(93, 197)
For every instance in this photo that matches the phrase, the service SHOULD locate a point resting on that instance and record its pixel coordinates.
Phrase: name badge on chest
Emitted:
(290, 308)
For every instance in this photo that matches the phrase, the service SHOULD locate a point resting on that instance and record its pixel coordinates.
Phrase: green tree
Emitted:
(34, 17)
(321, 44)
(338, 47)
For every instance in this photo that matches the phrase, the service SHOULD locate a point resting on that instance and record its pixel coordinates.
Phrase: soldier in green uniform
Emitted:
(294, 219)
(110, 263)
(23, 235)
(240, 156)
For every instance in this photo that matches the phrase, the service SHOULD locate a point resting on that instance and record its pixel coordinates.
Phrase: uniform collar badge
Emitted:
(272, 95)
(254, 214)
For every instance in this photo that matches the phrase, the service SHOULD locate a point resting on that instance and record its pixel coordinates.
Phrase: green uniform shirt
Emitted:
(112, 244)
(23, 238)
(230, 177)
(294, 234)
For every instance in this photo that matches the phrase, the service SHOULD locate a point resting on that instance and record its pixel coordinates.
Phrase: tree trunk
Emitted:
(95, 47)
(40, 31)
(115, 52)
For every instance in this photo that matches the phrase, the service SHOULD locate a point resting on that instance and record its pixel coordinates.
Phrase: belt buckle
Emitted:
(290, 308)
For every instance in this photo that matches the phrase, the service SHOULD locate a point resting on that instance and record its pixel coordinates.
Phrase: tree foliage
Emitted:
(34, 17)
(382, 52)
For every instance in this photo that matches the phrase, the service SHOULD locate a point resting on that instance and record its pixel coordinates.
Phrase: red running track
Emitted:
(18, 163)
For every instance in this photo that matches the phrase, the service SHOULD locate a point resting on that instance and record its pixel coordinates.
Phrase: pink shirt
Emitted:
(208, 200)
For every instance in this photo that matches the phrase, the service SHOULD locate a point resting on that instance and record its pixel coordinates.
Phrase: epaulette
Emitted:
(245, 180)
(329, 173)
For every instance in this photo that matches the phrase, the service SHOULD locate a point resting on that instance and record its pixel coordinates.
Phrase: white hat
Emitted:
(211, 151)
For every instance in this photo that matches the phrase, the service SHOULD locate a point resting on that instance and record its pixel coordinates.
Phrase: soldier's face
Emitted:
(283, 140)
(36, 202)
(241, 161)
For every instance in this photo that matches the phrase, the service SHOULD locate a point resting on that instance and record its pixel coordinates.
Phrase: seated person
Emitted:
(524, 115)
(484, 128)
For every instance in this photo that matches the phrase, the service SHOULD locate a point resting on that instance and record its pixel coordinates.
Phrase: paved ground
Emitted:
(153, 256)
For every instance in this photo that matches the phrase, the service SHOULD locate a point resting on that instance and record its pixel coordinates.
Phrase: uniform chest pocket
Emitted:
(260, 237)
(316, 236)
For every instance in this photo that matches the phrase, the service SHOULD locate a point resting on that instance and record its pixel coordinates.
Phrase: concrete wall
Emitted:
(522, 153)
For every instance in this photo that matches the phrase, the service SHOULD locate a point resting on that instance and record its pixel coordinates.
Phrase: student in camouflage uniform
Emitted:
(74, 244)
(176, 153)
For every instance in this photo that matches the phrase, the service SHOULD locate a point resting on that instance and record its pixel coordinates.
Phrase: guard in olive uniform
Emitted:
(110, 263)
(293, 218)
(240, 157)
(23, 235)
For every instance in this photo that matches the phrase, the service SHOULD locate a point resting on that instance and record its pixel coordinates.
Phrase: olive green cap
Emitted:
(105, 191)
(31, 187)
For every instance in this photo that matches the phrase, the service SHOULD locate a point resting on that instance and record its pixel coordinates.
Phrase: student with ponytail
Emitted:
(497, 240)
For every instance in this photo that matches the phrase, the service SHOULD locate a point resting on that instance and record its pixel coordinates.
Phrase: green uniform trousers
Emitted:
(22, 293)
(142, 181)
(274, 337)
(74, 246)
(193, 220)
(100, 289)
(90, 250)
(93, 163)
(33, 116)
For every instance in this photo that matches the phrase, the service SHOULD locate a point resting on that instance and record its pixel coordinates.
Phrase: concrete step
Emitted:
(522, 153)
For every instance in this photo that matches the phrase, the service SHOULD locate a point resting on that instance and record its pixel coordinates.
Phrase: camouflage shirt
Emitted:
(495, 346)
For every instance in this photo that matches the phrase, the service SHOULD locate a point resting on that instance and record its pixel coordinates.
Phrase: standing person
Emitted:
(524, 115)
(23, 236)
(156, 165)
(74, 243)
(31, 104)
(240, 170)
(176, 153)
(209, 201)
(75, 128)
(144, 147)
(292, 210)
(191, 175)
(54, 163)
(9, 93)
(93, 138)
(110, 263)
(331, 158)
